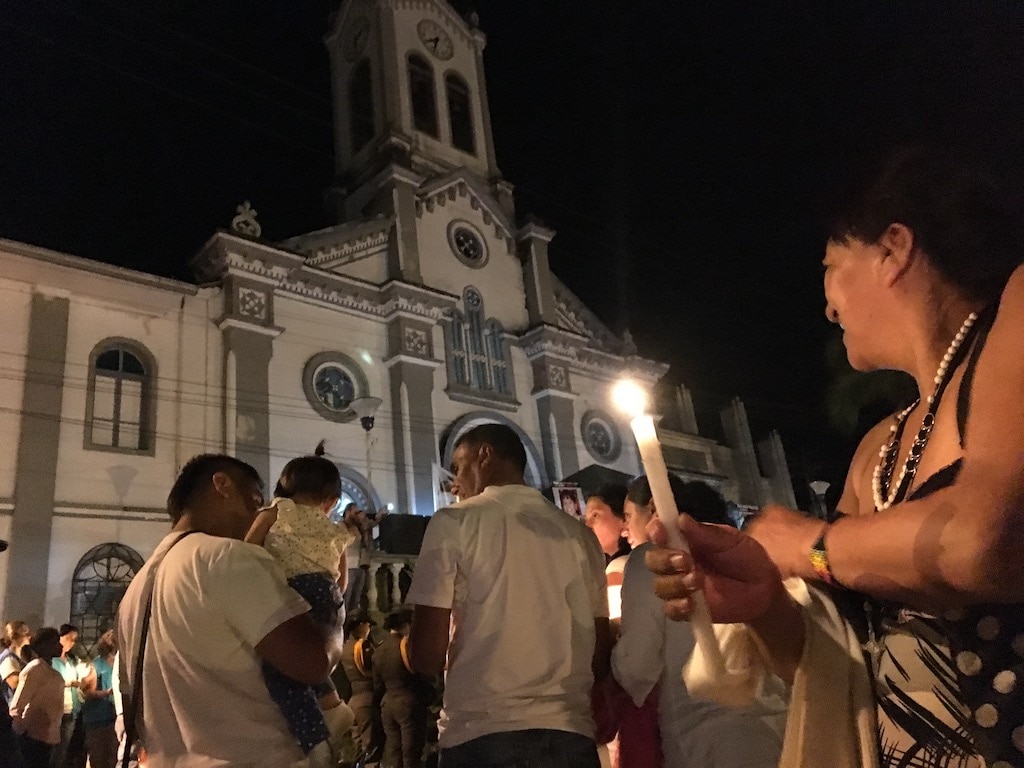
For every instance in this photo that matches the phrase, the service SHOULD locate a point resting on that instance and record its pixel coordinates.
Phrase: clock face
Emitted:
(435, 39)
(334, 387)
(355, 41)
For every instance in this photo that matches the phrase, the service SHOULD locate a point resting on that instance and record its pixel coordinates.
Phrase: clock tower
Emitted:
(408, 89)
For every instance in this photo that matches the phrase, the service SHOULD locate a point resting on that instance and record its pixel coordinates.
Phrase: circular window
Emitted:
(600, 436)
(331, 381)
(334, 387)
(467, 243)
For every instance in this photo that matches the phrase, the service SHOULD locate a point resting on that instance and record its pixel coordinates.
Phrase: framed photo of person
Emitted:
(570, 499)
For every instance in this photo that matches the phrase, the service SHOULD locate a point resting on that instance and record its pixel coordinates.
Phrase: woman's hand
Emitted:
(787, 537)
(739, 579)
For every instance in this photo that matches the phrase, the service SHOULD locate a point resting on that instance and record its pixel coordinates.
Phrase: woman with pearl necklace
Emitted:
(924, 566)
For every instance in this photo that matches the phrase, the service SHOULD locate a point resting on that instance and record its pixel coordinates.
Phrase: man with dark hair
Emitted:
(501, 559)
(220, 607)
(195, 476)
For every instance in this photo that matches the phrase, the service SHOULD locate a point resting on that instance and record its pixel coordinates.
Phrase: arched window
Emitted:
(496, 353)
(99, 582)
(479, 377)
(460, 115)
(457, 348)
(477, 354)
(422, 95)
(120, 405)
(360, 99)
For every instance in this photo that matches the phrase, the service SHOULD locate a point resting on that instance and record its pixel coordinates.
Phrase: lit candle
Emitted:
(632, 400)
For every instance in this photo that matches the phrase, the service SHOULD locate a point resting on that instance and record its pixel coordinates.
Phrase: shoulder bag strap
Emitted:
(133, 706)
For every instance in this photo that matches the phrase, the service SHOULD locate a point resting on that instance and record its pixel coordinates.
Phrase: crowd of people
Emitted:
(60, 709)
(890, 636)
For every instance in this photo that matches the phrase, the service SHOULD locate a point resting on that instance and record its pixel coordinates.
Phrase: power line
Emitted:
(63, 48)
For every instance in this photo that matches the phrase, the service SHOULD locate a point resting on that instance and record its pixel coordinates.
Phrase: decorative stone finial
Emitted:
(245, 222)
(628, 345)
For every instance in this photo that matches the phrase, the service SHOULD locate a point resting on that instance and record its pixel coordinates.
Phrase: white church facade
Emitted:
(427, 295)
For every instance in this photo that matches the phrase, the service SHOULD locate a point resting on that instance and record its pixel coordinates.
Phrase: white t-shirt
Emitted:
(205, 704)
(38, 704)
(304, 540)
(650, 650)
(524, 582)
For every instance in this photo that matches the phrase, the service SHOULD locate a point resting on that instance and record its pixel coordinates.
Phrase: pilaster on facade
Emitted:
(35, 481)
(773, 459)
(538, 284)
(737, 435)
(413, 433)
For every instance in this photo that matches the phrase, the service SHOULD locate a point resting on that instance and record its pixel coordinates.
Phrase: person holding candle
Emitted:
(922, 568)
(606, 518)
(651, 652)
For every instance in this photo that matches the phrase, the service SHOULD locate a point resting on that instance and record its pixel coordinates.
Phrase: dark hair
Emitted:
(397, 619)
(694, 498)
(312, 476)
(354, 621)
(67, 629)
(196, 475)
(614, 495)
(502, 438)
(41, 638)
(969, 228)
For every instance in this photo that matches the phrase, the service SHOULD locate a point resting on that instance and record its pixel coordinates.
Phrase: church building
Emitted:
(427, 309)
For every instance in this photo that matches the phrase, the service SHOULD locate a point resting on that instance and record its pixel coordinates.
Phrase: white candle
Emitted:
(668, 514)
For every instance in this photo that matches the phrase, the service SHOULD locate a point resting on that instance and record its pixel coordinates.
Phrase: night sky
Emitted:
(687, 153)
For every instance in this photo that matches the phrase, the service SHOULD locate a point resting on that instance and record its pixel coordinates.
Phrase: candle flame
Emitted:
(630, 398)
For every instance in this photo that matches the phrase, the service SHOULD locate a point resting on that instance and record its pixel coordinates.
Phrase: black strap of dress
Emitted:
(963, 398)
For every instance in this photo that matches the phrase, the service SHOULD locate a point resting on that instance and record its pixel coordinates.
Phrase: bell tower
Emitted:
(408, 89)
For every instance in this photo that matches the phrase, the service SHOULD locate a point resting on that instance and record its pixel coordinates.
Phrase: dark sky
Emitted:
(687, 153)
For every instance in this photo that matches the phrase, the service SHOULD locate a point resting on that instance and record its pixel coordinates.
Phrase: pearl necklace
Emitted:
(889, 451)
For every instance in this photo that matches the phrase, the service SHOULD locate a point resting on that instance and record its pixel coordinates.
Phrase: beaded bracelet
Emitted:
(819, 559)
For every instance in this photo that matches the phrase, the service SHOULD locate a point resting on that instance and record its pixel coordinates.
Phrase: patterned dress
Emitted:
(950, 688)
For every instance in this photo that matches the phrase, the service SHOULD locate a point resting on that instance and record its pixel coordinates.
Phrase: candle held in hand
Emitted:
(665, 506)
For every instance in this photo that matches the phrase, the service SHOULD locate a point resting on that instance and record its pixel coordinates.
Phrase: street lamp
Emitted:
(366, 408)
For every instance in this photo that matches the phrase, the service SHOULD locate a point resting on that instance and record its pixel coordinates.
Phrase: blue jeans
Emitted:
(536, 748)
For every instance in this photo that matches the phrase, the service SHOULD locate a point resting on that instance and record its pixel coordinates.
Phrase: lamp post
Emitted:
(366, 408)
(631, 399)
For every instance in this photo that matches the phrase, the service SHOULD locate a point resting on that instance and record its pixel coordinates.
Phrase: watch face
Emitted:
(355, 41)
(334, 387)
(435, 39)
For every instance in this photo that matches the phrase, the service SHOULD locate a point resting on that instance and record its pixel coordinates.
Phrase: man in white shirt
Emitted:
(520, 587)
(220, 607)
